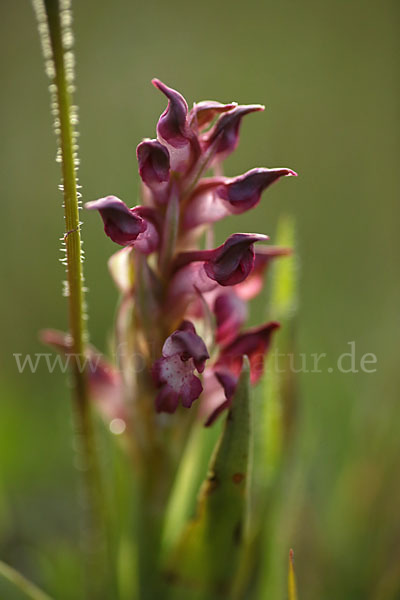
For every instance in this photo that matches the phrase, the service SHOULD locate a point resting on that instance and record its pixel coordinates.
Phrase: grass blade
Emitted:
(292, 585)
(29, 589)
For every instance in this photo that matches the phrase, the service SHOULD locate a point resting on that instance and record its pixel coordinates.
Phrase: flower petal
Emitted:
(228, 264)
(153, 159)
(203, 113)
(255, 344)
(120, 224)
(128, 226)
(167, 400)
(173, 130)
(121, 269)
(148, 241)
(252, 286)
(224, 136)
(232, 262)
(187, 344)
(204, 205)
(243, 192)
(228, 382)
(154, 168)
(230, 312)
(217, 197)
(182, 353)
(177, 382)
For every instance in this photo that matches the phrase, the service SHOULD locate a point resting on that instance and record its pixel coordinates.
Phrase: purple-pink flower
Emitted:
(253, 343)
(223, 138)
(183, 352)
(127, 226)
(154, 168)
(177, 287)
(217, 197)
(228, 264)
(173, 130)
(121, 224)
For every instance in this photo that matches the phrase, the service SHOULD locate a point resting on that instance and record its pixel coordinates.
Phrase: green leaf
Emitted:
(292, 585)
(283, 298)
(279, 386)
(192, 470)
(208, 553)
(277, 415)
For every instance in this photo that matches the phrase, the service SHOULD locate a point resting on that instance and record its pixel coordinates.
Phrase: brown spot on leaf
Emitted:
(238, 478)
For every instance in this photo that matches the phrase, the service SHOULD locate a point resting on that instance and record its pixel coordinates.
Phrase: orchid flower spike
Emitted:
(176, 292)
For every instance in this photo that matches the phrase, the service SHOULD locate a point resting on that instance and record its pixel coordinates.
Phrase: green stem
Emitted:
(56, 36)
(22, 583)
(170, 235)
(154, 491)
(72, 237)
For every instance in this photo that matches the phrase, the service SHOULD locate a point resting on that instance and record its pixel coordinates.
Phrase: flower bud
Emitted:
(173, 130)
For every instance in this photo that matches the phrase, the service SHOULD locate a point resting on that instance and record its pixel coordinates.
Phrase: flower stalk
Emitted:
(54, 17)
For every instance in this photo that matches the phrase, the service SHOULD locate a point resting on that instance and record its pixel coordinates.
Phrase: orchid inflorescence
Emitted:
(190, 304)
(180, 338)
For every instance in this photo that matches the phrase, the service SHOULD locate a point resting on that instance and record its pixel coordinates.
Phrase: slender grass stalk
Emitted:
(292, 585)
(54, 22)
(23, 584)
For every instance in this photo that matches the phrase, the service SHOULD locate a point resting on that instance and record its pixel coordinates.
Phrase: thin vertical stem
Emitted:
(54, 20)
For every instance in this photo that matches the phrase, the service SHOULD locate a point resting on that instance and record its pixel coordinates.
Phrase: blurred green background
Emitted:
(328, 75)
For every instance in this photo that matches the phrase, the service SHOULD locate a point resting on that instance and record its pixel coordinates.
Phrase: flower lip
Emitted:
(121, 224)
(173, 373)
